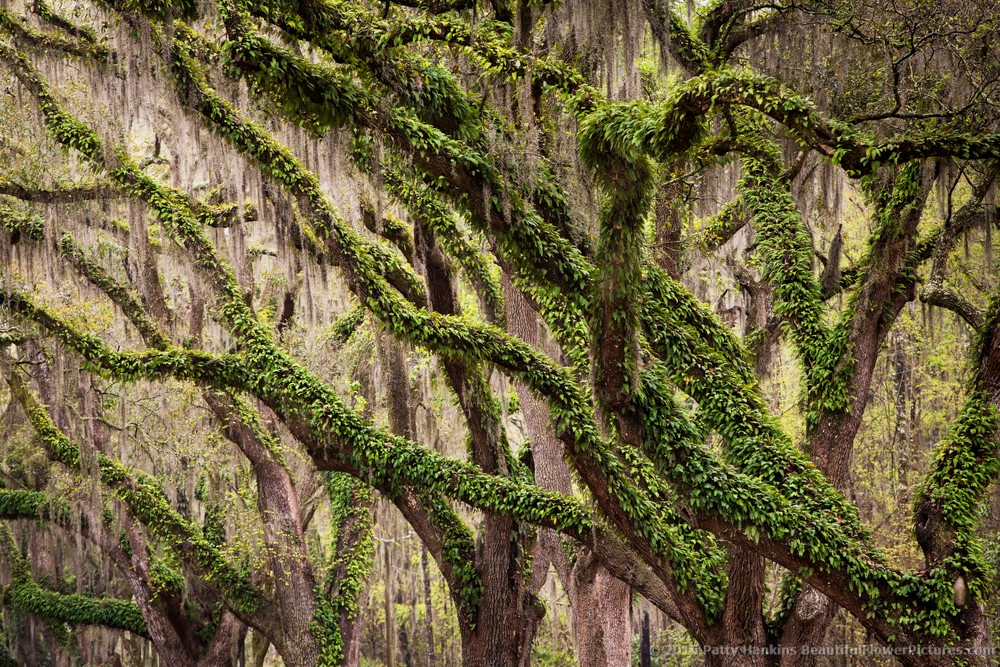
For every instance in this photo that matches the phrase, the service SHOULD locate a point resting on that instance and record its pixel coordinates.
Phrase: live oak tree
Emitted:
(512, 189)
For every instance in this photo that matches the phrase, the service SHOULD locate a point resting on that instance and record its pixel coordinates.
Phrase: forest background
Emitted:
(445, 332)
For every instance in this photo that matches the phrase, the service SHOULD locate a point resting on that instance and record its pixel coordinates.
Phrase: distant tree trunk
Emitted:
(390, 610)
(601, 615)
(669, 223)
(404, 647)
(644, 648)
(429, 614)
(392, 360)
(259, 646)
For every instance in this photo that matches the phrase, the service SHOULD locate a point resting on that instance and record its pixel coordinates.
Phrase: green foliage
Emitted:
(338, 602)
(786, 254)
(19, 222)
(25, 595)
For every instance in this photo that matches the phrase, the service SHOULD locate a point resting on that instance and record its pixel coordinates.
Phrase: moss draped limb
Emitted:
(27, 596)
(752, 438)
(844, 566)
(71, 45)
(145, 502)
(786, 252)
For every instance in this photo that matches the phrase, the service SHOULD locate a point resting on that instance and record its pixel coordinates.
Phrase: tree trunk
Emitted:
(429, 614)
(607, 633)
(644, 646)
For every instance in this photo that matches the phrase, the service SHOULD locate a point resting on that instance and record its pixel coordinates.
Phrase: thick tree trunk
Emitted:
(601, 619)
(601, 615)
(508, 613)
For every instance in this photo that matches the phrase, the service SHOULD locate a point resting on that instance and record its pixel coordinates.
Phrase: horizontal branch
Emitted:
(58, 195)
(145, 501)
(23, 504)
(28, 597)
(23, 33)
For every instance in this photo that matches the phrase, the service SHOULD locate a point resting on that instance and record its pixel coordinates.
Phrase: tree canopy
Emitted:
(266, 262)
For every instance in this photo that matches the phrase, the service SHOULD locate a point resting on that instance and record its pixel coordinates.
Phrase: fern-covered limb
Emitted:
(786, 252)
(716, 231)
(752, 438)
(146, 503)
(628, 186)
(393, 230)
(345, 325)
(47, 14)
(947, 505)
(890, 602)
(627, 183)
(57, 195)
(24, 504)
(24, 34)
(846, 146)
(19, 222)
(28, 597)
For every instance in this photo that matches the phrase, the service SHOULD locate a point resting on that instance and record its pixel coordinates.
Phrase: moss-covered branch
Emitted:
(786, 253)
(22, 32)
(145, 501)
(966, 462)
(23, 504)
(47, 14)
(339, 606)
(27, 596)
(56, 195)
(17, 222)
(752, 438)
(898, 606)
